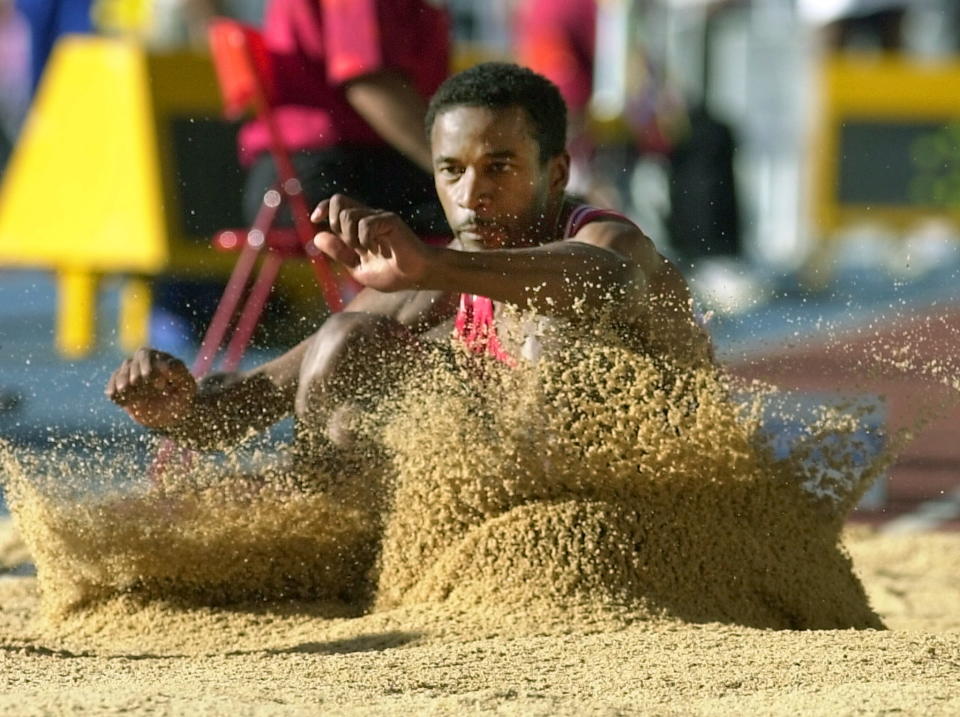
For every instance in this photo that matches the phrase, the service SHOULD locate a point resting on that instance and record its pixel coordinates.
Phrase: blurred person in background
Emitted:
(48, 20)
(704, 221)
(556, 38)
(694, 149)
(559, 39)
(15, 81)
(352, 81)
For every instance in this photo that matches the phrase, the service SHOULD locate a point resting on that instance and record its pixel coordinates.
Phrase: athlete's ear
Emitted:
(558, 169)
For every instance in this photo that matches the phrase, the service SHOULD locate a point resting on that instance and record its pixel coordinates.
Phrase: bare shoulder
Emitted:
(621, 237)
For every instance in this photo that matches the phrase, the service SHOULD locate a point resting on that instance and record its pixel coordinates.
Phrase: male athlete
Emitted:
(497, 135)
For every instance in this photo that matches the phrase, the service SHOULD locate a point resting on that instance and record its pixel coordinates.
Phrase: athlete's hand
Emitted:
(377, 247)
(155, 388)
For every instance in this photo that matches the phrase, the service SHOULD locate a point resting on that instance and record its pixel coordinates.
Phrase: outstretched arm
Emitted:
(157, 391)
(605, 263)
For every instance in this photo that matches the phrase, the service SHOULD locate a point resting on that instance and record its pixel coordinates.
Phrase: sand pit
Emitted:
(604, 534)
(166, 659)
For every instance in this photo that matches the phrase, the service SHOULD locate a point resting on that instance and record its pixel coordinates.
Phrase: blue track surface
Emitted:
(62, 399)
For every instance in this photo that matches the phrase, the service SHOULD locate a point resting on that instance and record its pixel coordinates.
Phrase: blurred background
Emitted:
(797, 160)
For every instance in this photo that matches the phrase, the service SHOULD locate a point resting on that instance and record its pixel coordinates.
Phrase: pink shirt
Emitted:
(556, 38)
(317, 46)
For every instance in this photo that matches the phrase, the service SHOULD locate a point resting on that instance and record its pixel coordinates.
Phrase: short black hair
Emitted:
(498, 85)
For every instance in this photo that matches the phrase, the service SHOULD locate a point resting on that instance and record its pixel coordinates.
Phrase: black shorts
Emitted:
(380, 177)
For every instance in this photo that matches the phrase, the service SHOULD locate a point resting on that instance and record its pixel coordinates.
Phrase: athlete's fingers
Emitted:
(135, 374)
(320, 212)
(351, 220)
(162, 362)
(334, 247)
(333, 212)
(121, 378)
(339, 203)
(164, 370)
(142, 359)
(371, 227)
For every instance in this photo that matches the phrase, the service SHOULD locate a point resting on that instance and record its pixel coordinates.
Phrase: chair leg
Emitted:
(321, 265)
(233, 293)
(250, 315)
(217, 330)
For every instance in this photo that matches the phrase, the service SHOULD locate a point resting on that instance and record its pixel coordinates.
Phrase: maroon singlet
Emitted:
(474, 323)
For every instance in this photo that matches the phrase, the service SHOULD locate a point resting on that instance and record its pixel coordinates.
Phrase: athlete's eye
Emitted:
(500, 167)
(450, 171)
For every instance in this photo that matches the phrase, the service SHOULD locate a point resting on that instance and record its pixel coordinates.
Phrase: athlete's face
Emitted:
(494, 189)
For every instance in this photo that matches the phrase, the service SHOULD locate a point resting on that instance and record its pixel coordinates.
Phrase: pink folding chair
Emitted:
(244, 73)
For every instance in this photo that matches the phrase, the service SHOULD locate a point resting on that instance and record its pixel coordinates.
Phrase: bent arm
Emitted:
(395, 110)
(416, 310)
(607, 262)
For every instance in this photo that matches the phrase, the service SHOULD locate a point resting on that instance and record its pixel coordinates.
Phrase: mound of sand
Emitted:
(613, 478)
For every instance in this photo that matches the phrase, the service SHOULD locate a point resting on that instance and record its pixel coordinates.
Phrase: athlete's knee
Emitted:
(346, 343)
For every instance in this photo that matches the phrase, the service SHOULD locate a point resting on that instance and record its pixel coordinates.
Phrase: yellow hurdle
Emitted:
(91, 189)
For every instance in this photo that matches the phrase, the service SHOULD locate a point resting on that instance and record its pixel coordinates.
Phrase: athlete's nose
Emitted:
(474, 191)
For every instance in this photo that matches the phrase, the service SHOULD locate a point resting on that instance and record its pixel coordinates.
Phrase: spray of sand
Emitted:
(211, 543)
(603, 478)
